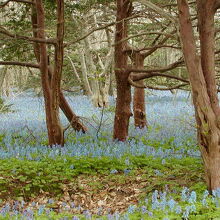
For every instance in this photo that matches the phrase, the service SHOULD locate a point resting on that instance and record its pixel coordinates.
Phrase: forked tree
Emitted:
(63, 104)
(127, 75)
(50, 76)
(201, 69)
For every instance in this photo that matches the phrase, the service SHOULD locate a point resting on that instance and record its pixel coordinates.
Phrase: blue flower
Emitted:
(113, 171)
(192, 198)
(127, 171)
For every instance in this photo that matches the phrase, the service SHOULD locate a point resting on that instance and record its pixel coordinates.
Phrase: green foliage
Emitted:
(22, 178)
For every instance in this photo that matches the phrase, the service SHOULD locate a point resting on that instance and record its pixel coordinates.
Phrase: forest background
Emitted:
(97, 51)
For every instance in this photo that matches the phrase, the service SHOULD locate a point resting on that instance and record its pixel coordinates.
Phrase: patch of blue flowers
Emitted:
(161, 205)
(171, 125)
(169, 117)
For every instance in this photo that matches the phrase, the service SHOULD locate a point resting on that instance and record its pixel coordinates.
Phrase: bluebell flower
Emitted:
(72, 205)
(171, 203)
(50, 201)
(113, 171)
(143, 209)
(72, 166)
(158, 173)
(150, 214)
(131, 209)
(41, 209)
(127, 162)
(184, 194)
(178, 209)
(110, 217)
(192, 198)
(127, 171)
(216, 193)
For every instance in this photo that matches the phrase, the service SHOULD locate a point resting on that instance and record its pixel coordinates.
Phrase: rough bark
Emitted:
(140, 120)
(64, 106)
(123, 112)
(55, 131)
(203, 95)
(206, 11)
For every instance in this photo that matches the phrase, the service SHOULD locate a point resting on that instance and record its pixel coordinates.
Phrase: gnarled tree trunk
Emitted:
(202, 79)
(51, 92)
(65, 107)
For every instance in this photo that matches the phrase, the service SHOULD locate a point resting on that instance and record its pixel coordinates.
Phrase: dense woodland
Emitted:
(122, 50)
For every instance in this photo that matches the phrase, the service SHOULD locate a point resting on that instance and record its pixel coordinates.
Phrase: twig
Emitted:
(100, 124)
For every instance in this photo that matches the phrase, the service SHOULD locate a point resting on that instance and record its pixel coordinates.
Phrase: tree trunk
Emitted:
(140, 120)
(123, 111)
(206, 12)
(51, 95)
(65, 107)
(203, 89)
(94, 78)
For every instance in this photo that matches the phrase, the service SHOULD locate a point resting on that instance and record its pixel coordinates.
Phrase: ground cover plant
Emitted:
(156, 174)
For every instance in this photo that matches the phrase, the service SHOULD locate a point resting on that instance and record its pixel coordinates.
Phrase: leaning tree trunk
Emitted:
(140, 120)
(123, 111)
(51, 93)
(203, 86)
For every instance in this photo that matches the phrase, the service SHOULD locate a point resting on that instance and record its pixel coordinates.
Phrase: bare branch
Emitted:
(145, 75)
(74, 70)
(16, 63)
(32, 39)
(161, 70)
(89, 33)
(148, 53)
(159, 10)
(168, 88)
(97, 29)
(145, 33)
(19, 1)
(135, 84)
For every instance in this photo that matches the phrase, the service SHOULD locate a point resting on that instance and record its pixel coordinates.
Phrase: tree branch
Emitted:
(168, 88)
(161, 70)
(32, 39)
(144, 33)
(137, 85)
(158, 10)
(89, 33)
(97, 29)
(16, 63)
(147, 75)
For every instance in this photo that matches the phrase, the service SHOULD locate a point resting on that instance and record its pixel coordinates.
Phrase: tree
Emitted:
(94, 52)
(50, 77)
(122, 112)
(63, 104)
(127, 75)
(201, 69)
